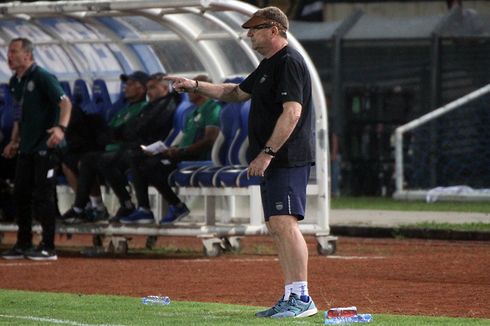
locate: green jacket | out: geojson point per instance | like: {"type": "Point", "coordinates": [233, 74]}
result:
{"type": "Point", "coordinates": [122, 117]}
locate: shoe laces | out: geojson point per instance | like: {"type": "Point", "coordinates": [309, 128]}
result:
{"type": "Point", "coordinates": [280, 303]}
{"type": "Point", "coordinates": [294, 303]}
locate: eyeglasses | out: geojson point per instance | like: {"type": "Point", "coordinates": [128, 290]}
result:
{"type": "Point", "coordinates": [261, 26]}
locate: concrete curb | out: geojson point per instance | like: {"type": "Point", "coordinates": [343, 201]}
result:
{"type": "Point", "coordinates": [396, 232]}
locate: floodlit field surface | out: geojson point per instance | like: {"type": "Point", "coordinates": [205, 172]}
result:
{"type": "Point", "coordinates": [40, 308]}
{"type": "Point", "coordinates": [389, 278]}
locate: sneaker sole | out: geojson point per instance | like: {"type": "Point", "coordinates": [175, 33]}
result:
{"type": "Point", "coordinates": [307, 313]}
{"type": "Point", "coordinates": [73, 221]}
{"type": "Point", "coordinates": [181, 216]}
{"type": "Point", "coordinates": [13, 257]}
{"type": "Point", "coordinates": [137, 222]}
{"type": "Point", "coordinates": [43, 258]}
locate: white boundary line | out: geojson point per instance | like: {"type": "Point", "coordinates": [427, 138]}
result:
{"type": "Point", "coordinates": [54, 321]}
{"type": "Point", "coordinates": [243, 260]}
{"type": "Point", "coordinates": [24, 264]}
{"type": "Point", "coordinates": [355, 257]}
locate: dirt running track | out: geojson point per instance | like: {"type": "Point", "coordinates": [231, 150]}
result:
{"type": "Point", "coordinates": [411, 277]}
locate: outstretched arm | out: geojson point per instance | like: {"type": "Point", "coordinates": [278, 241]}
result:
{"type": "Point", "coordinates": [224, 92]}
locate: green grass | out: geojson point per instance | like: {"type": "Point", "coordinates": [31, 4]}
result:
{"type": "Point", "coordinates": [450, 226]}
{"type": "Point", "coordinates": [38, 308]}
{"type": "Point", "coordinates": [384, 203]}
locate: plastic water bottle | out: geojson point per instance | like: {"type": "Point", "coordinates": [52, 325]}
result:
{"type": "Point", "coordinates": [155, 300]}
{"type": "Point", "coordinates": [360, 318]}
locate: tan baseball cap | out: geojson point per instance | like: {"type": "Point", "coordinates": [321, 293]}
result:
{"type": "Point", "coordinates": [265, 15]}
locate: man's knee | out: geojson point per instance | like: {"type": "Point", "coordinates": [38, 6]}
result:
{"type": "Point", "coordinates": [280, 225]}
{"type": "Point", "coordinates": [88, 160]}
{"type": "Point", "coordinates": [21, 198]}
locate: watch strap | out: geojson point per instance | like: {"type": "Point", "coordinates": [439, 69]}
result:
{"type": "Point", "coordinates": [268, 150]}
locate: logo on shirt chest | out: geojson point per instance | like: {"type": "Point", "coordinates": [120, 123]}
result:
{"type": "Point", "coordinates": [263, 79]}
{"type": "Point", "coordinates": [30, 85]}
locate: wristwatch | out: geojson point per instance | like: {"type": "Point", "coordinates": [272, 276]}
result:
{"type": "Point", "coordinates": [63, 128]}
{"type": "Point", "coordinates": [268, 150]}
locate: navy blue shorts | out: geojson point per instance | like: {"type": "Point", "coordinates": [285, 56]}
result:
{"type": "Point", "coordinates": [283, 191]}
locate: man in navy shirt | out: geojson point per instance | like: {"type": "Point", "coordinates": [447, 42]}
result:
{"type": "Point", "coordinates": [282, 142]}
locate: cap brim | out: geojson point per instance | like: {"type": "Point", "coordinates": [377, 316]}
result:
{"type": "Point", "coordinates": [124, 78]}
{"type": "Point", "coordinates": [254, 21]}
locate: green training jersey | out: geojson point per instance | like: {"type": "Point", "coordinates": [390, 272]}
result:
{"type": "Point", "coordinates": [38, 94]}
{"type": "Point", "coordinates": [206, 115]}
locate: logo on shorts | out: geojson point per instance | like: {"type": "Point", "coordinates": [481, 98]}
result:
{"type": "Point", "coordinates": [279, 205]}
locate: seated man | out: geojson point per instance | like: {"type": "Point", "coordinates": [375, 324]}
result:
{"type": "Point", "coordinates": [79, 141]}
{"type": "Point", "coordinates": [94, 163]}
{"type": "Point", "coordinates": [200, 131]}
{"type": "Point", "coordinates": [153, 123]}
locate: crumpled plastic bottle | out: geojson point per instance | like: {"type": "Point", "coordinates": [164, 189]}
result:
{"type": "Point", "coordinates": [359, 318]}
{"type": "Point", "coordinates": [155, 300]}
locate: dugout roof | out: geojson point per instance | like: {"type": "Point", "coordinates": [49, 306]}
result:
{"type": "Point", "coordinates": [92, 39]}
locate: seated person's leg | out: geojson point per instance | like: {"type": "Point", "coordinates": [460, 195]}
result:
{"type": "Point", "coordinates": [139, 163]}
{"type": "Point", "coordinates": [86, 178]}
{"type": "Point", "coordinates": [69, 166]}
{"type": "Point", "coordinates": [95, 208]}
{"type": "Point", "coordinates": [113, 166]}
{"type": "Point", "coordinates": [159, 179]}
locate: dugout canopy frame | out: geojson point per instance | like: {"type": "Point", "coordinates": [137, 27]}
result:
{"type": "Point", "coordinates": [102, 39]}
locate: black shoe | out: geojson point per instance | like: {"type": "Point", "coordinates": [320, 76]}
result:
{"type": "Point", "coordinates": [41, 253]}
{"type": "Point", "coordinates": [122, 212]}
{"type": "Point", "coordinates": [96, 214]}
{"type": "Point", "coordinates": [16, 252]}
{"type": "Point", "coordinates": [72, 217]}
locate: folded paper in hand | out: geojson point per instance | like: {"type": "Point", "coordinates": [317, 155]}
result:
{"type": "Point", "coordinates": [155, 148]}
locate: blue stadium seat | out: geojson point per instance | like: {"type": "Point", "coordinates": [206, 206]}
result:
{"type": "Point", "coordinates": [117, 105]}
{"type": "Point", "coordinates": [236, 175]}
{"type": "Point", "coordinates": [226, 149]}
{"type": "Point", "coordinates": [226, 177]}
{"type": "Point", "coordinates": [81, 96]}
{"type": "Point", "coordinates": [7, 112]}
{"type": "Point", "coordinates": [242, 179]}
{"type": "Point", "coordinates": [183, 109]}
{"type": "Point", "coordinates": [187, 170]}
{"type": "Point", "coordinates": [66, 88]}
{"type": "Point", "coordinates": [101, 99]}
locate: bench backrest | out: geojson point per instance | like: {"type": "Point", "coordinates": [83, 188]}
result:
{"type": "Point", "coordinates": [67, 89]}
{"type": "Point", "coordinates": [7, 112]}
{"type": "Point", "coordinates": [101, 99]}
{"type": "Point", "coordinates": [81, 96]}
{"type": "Point", "coordinates": [183, 109]}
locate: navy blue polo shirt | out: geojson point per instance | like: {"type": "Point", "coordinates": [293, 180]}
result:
{"type": "Point", "coordinates": [282, 78]}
